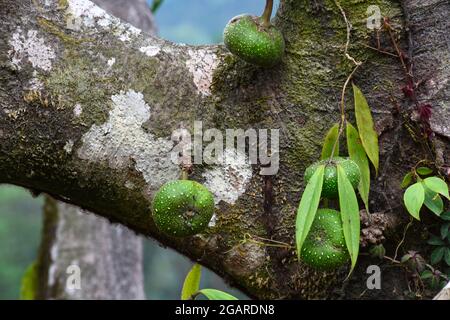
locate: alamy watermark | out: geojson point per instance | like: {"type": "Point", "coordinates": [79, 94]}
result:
{"type": "Point", "coordinates": [73, 281]}
{"type": "Point", "coordinates": [208, 146]}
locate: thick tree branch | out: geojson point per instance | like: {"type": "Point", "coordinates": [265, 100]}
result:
{"type": "Point", "coordinates": [88, 106]}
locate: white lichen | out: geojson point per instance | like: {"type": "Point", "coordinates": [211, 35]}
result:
{"type": "Point", "coordinates": [84, 13]}
{"type": "Point", "coordinates": [68, 146]}
{"type": "Point", "coordinates": [77, 110]}
{"type": "Point", "coordinates": [229, 180]}
{"type": "Point", "coordinates": [150, 51]}
{"type": "Point", "coordinates": [111, 62]}
{"type": "Point", "coordinates": [29, 45]}
{"type": "Point", "coordinates": [122, 142]}
{"type": "Point", "coordinates": [201, 64]}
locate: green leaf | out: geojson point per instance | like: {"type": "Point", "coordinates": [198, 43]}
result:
{"type": "Point", "coordinates": [445, 216]}
{"type": "Point", "coordinates": [413, 198]}
{"type": "Point", "coordinates": [155, 5]}
{"type": "Point", "coordinates": [433, 201]}
{"type": "Point", "coordinates": [308, 207]}
{"type": "Point", "coordinates": [349, 214]}
{"type": "Point", "coordinates": [435, 241]}
{"type": "Point", "coordinates": [405, 258]}
{"type": "Point", "coordinates": [213, 294]}
{"type": "Point", "coordinates": [357, 154]}
{"type": "Point", "coordinates": [29, 285]}
{"type": "Point", "coordinates": [328, 143]}
{"type": "Point", "coordinates": [437, 185]}
{"type": "Point", "coordinates": [437, 255]}
{"type": "Point", "coordinates": [426, 274]}
{"type": "Point", "coordinates": [445, 228]}
{"type": "Point", "coordinates": [447, 256]}
{"type": "Point", "coordinates": [407, 179]}
{"type": "Point", "coordinates": [192, 282]}
{"type": "Point", "coordinates": [364, 121]}
{"type": "Point", "coordinates": [424, 171]}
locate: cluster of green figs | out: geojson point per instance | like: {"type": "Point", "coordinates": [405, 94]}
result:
{"type": "Point", "coordinates": [325, 247]}
{"type": "Point", "coordinates": [184, 208]}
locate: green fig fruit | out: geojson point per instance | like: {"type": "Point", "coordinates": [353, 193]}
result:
{"type": "Point", "coordinates": [324, 247]}
{"type": "Point", "coordinates": [330, 185]}
{"type": "Point", "coordinates": [254, 41]}
{"type": "Point", "coordinates": [182, 208]}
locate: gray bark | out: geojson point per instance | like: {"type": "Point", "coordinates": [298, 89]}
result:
{"type": "Point", "coordinates": [88, 106]}
{"type": "Point", "coordinates": [85, 257]}
{"type": "Point", "coordinates": [109, 257]}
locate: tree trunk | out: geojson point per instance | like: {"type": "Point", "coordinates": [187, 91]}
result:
{"type": "Point", "coordinates": [89, 104]}
{"type": "Point", "coordinates": [109, 257]}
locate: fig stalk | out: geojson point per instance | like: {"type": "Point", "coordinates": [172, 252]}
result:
{"type": "Point", "coordinates": [267, 13]}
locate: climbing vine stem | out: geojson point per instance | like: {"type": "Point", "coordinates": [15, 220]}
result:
{"type": "Point", "coordinates": [342, 120]}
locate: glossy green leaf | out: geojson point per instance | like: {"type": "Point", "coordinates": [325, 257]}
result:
{"type": "Point", "coordinates": [445, 230]}
{"type": "Point", "coordinates": [364, 121]}
{"type": "Point", "coordinates": [350, 214]}
{"type": "Point", "coordinates": [407, 179]}
{"type": "Point", "coordinates": [435, 241]}
{"type": "Point", "coordinates": [424, 171]}
{"type": "Point", "coordinates": [213, 294]}
{"type": "Point", "coordinates": [445, 216]}
{"type": "Point", "coordinates": [328, 143]}
{"type": "Point", "coordinates": [437, 185]}
{"type": "Point", "coordinates": [308, 207]}
{"type": "Point", "coordinates": [413, 198]}
{"type": "Point", "coordinates": [447, 256]}
{"type": "Point", "coordinates": [357, 154]}
{"type": "Point", "coordinates": [437, 255]}
{"type": "Point", "coordinates": [433, 201]}
{"type": "Point", "coordinates": [426, 274]}
{"type": "Point", "coordinates": [192, 282]}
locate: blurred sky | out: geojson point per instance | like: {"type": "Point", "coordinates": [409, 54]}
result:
{"type": "Point", "coordinates": [201, 21]}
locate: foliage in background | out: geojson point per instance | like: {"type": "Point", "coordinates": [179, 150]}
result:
{"type": "Point", "coordinates": [29, 283]}
{"type": "Point", "coordinates": [20, 227]}
{"type": "Point", "coordinates": [426, 191]}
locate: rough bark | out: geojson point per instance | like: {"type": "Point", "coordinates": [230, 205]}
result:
{"type": "Point", "coordinates": [89, 105]}
{"type": "Point", "coordinates": [85, 257]}
{"type": "Point", "coordinates": [109, 256]}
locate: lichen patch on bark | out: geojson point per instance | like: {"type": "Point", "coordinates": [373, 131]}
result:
{"type": "Point", "coordinates": [84, 13]}
{"type": "Point", "coordinates": [201, 64]}
{"type": "Point", "coordinates": [229, 181]}
{"type": "Point", "coordinates": [150, 51]}
{"type": "Point", "coordinates": [123, 142]}
{"type": "Point", "coordinates": [31, 46]}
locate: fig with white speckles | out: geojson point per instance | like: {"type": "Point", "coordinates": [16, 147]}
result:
{"type": "Point", "coordinates": [182, 208]}
{"type": "Point", "coordinates": [254, 40]}
{"type": "Point", "coordinates": [330, 185]}
{"type": "Point", "coordinates": [324, 247]}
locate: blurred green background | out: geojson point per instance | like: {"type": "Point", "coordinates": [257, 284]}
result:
{"type": "Point", "coordinates": [192, 22]}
